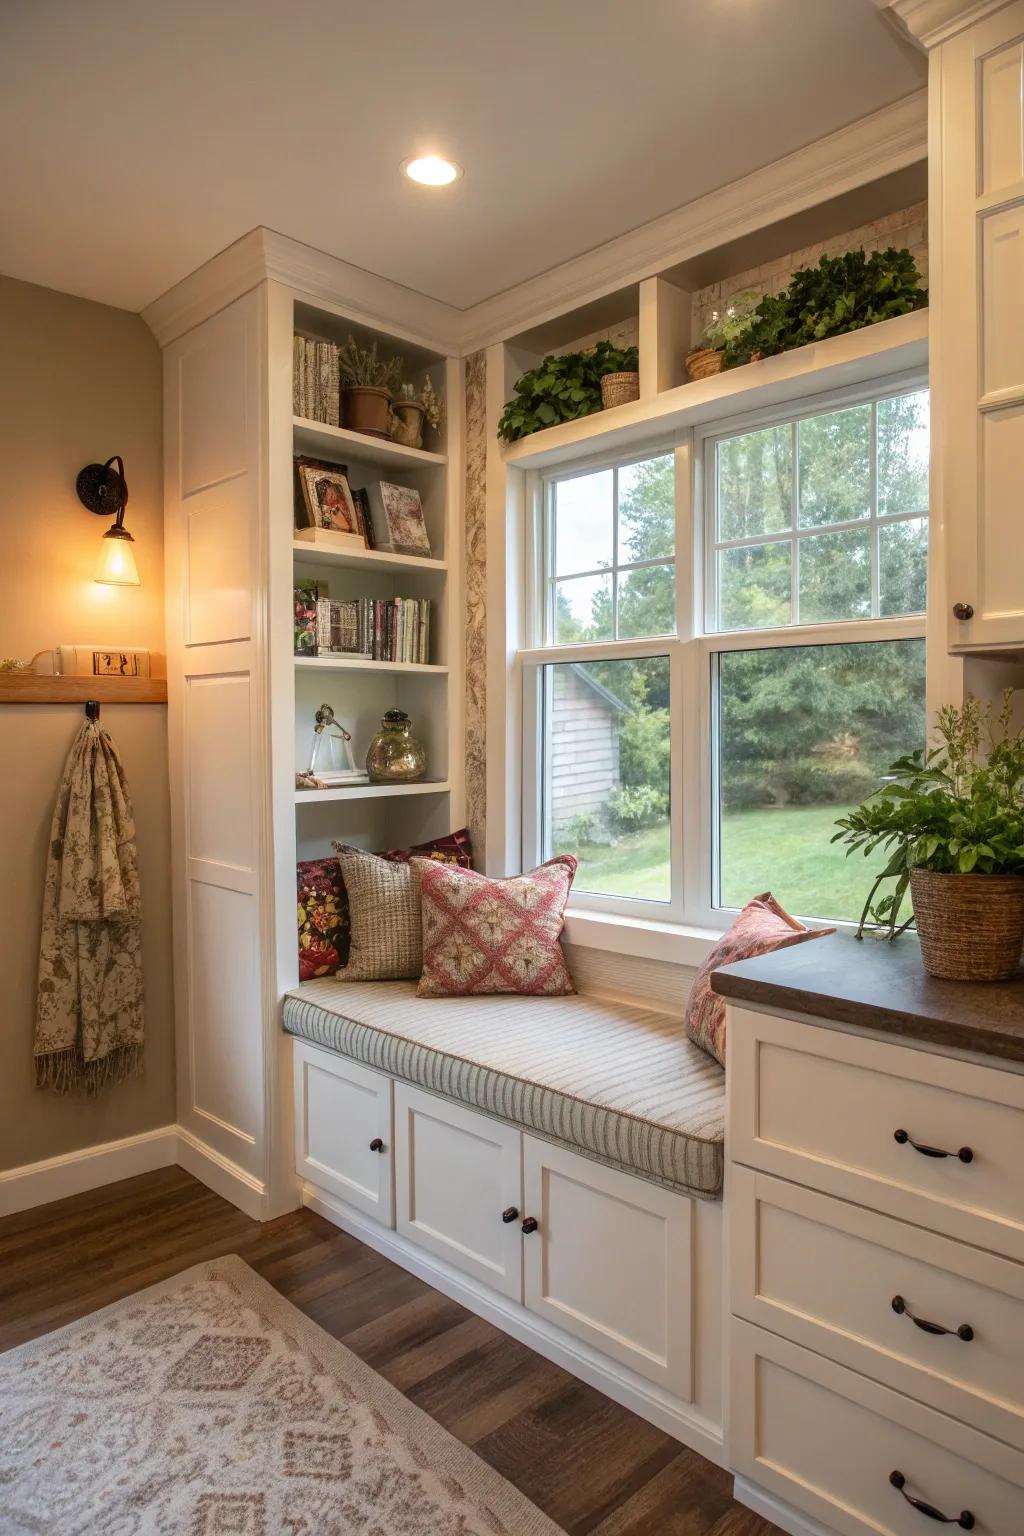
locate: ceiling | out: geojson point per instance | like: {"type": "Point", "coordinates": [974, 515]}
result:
{"type": "Point", "coordinates": [139, 137]}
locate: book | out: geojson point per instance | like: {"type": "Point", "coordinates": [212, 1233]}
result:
{"type": "Point", "coordinates": [396, 519]}
{"type": "Point", "coordinates": [316, 380]}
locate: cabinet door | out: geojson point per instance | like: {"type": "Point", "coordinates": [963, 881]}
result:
{"type": "Point", "coordinates": [610, 1262]}
{"type": "Point", "coordinates": [978, 330]}
{"type": "Point", "coordinates": [457, 1174]}
{"type": "Point", "coordinates": [343, 1130]}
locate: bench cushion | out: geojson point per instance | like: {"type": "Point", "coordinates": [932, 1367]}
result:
{"type": "Point", "coordinates": [620, 1084]}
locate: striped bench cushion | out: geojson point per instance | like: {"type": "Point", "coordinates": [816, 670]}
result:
{"type": "Point", "coordinates": [622, 1085]}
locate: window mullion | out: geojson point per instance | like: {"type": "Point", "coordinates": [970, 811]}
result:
{"type": "Point", "coordinates": [875, 548]}
{"type": "Point", "coordinates": [794, 514]}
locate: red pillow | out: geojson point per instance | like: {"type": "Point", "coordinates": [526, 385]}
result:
{"type": "Point", "coordinates": [324, 928]}
{"type": "Point", "coordinates": [483, 936]}
{"type": "Point", "coordinates": [761, 927]}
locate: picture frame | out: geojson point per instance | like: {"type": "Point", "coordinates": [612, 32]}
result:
{"type": "Point", "coordinates": [327, 503]}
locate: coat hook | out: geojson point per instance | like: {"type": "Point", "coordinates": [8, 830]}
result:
{"type": "Point", "coordinates": [92, 709]}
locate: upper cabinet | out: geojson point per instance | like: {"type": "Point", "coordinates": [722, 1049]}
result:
{"type": "Point", "coordinates": [977, 167]}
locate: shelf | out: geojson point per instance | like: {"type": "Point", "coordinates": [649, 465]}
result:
{"type": "Point", "coordinates": [890, 347]}
{"type": "Point", "coordinates": [372, 791]}
{"type": "Point", "coordinates": [32, 688]}
{"type": "Point", "coordinates": [366, 559]}
{"type": "Point", "coordinates": [361, 664]}
{"type": "Point", "coordinates": [317, 438]}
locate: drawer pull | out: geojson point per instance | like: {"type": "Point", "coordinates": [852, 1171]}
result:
{"type": "Point", "coordinates": [376, 1145]}
{"type": "Point", "coordinates": [964, 1154]}
{"type": "Point", "coordinates": [965, 1331]}
{"type": "Point", "coordinates": [509, 1214]}
{"type": "Point", "coordinates": [530, 1225]}
{"type": "Point", "coordinates": [965, 1520]}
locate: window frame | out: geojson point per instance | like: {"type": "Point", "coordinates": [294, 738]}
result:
{"type": "Point", "coordinates": [692, 652]}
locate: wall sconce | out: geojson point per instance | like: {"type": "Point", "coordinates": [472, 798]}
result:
{"type": "Point", "coordinates": [104, 491]}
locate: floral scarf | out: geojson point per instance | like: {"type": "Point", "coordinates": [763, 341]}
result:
{"type": "Point", "coordinates": [89, 1017]}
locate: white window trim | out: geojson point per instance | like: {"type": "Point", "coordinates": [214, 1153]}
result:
{"type": "Point", "coordinates": [685, 928]}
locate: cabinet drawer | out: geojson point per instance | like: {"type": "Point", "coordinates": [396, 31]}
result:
{"type": "Point", "coordinates": [457, 1173]}
{"type": "Point", "coordinates": [343, 1129]}
{"type": "Point", "coordinates": [826, 1273]}
{"type": "Point", "coordinates": [828, 1441]}
{"type": "Point", "coordinates": [823, 1107]}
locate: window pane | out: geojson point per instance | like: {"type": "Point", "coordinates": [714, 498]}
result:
{"type": "Point", "coordinates": [583, 609]}
{"type": "Point", "coordinates": [835, 577]}
{"type": "Point", "coordinates": [902, 567]}
{"type": "Point", "coordinates": [647, 510]}
{"type": "Point", "coordinates": [647, 602]}
{"type": "Point", "coordinates": [835, 467]}
{"type": "Point", "coordinates": [755, 483]}
{"type": "Point", "coordinates": [805, 732]}
{"type": "Point", "coordinates": [583, 523]}
{"type": "Point", "coordinates": [607, 774]}
{"type": "Point", "coordinates": [754, 586]}
{"type": "Point", "coordinates": [903, 454]}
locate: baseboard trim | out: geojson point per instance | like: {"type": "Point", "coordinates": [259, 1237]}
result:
{"type": "Point", "coordinates": [89, 1168]}
{"type": "Point", "coordinates": [776, 1510]}
{"type": "Point", "coordinates": [623, 1386]}
{"type": "Point", "coordinates": [221, 1175]}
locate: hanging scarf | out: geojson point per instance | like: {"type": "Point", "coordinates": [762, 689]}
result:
{"type": "Point", "coordinates": [89, 1017]}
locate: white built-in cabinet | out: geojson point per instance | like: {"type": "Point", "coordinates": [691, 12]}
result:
{"type": "Point", "coordinates": [977, 360]}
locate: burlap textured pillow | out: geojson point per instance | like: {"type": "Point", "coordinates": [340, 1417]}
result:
{"type": "Point", "coordinates": [384, 909]}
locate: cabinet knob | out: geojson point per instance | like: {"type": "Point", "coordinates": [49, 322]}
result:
{"type": "Point", "coordinates": [376, 1145]}
{"type": "Point", "coordinates": [530, 1225]}
{"type": "Point", "coordinates": [509, 1214]}
{"type": "Point", "coordinates": [963, 612]}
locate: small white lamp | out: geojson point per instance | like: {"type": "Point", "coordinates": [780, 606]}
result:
{"type": "Point", "coordinates": [104, 491]}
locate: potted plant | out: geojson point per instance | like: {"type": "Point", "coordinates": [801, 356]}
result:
{"type": "Point", "coordinates": [951, 820]}
{"type": "Point", "coordinates": [722, 330]}
{"type": "Point", "coordinates": [564, 387]}
{"type": "Point", "coordinates": [368, 382]}
{"type": "Point", "coordinates": [412, 412]}
{"type": "Point", "coordinates": [618, 368]}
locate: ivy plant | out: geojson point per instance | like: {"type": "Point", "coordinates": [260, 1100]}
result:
{"type": "Point", "coordinates": [563, 388]}
{"type": "Point", "coordinates": [841, 293]}
{"type": "Point", "coordinates": [956, 808]}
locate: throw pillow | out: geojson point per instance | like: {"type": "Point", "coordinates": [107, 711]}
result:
{"type": "Point", "coordinates": [761, 927]}
{"type": "Point", "coordinates": [483, 935]}
{"type": "Point", "coordinates": [386, 940]}
{"type": "Point", "coordinates": [323, 901]}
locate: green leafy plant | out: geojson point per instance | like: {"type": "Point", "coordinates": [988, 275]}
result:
{"type": "Point", "coordinates": [563, 388]}
{"type": "Point", "coordinates": [840, 294]}
{"type": "Point", "coordinates": [727, 326]}
{"type": "Point", "coordinates": [956, 808]}
{"type": "Point", "coordinates": [364, 368]}
{"type": "Point", "coordinates": [632, 807]}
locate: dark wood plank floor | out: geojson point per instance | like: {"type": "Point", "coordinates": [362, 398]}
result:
{"type": "Point", "coordinates": [592, 1466]}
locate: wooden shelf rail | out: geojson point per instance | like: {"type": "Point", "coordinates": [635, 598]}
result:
{"type": "Point", "coordinates": [30, 688]}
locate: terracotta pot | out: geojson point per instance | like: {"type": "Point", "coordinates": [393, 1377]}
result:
{"type": "Point", "coordinates": [367, 409]}
{"type": "Point", "coordinates": [971, 927]}
{"type": "Point", "coordinates": [407, 423]}
{"type": "Point", "coordinates": [619, 389]}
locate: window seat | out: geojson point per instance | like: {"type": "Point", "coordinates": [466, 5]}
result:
{"type": "Point", "coordinates": [619, 1084]}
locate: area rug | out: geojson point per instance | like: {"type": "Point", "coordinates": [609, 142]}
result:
{"type": "Point", "coordinates": [209, 1406]}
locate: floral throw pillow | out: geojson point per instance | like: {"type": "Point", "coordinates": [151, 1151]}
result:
{"type": "Point", "coordinates": [483, 936]}
{"type": "Point", "coordinates": [761, 927]}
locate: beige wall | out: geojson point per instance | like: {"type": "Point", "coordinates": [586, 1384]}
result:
{"type": "Point", "coordinates": [78, 382]}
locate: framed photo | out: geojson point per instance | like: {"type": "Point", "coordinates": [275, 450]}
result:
{"type": "Point", "coordinates": [328, 499]}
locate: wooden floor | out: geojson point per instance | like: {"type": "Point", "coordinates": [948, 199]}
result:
{"type": "Point", "coordinates": [592, 1466]}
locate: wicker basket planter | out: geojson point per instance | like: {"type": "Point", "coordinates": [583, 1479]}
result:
{"type": "Point", "coordinates": [971, 927]}
{"type": "Point", "coordinates": [703, 363]}
{"type": "Point", "coordinates": [619, 389]}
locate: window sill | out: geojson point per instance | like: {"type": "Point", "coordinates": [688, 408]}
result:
{"type": "Point", "coordinates": [677, 943]}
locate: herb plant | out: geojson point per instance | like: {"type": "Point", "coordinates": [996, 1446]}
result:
{"type": "Point", "coordinates": [842, 293]}
{"type": "Point", "coordinates": [364, 368]}
{"type": "Point", "coordinates": [563, 388]}
{"type": "Point", "coordinates": [957, 808]}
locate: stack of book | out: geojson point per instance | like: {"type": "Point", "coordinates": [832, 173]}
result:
{"type": "Point", "coordinates": [376, 629]}
{"type": "Point", "coordinates": [316, 382]}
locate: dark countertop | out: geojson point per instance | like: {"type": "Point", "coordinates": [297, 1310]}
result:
{"type": "Point", "coordinates": [882, 986]}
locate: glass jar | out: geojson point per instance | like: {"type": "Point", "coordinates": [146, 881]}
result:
{"type": "Point", "coordinates": [395, 755]}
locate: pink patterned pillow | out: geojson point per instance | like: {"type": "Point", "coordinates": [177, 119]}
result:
{"type": "Point", "coordinates": [483, 935]}
{"type": "Point", "coordinates": [761, 927]}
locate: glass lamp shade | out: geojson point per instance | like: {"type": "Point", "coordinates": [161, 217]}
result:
{"type": "Point", "coordinates": [116, 565]}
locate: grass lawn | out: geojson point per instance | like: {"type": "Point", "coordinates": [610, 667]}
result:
{"type": "Point", "coordinates": [786, 851]}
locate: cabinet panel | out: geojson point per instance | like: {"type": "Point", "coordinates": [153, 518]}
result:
{"type": "Point", "coordinates": [456, 1172]}
{"type": "Point", "coordinates": [219, 780]}
{"type": "Point", "coordinates": [828, 1441]}
{"type": "Point", "coordinates": [610, 1262]}
{"type": "Point", "coordinates": [1003, 300]}
{"type": "Point", "coordinates": [218, 531]}
{"type": "Point", "coordinates": [1001, 592]}
{"type": "Point", "coordinates": [342, 1110]}
{"type": "Point", "coordinates": [224, 1021]}
{"type": "Point", "coordinates": [1002, 125]}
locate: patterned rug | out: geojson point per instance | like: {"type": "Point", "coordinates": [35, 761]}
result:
{"type": "Point", "coordinates": [209, 1406]}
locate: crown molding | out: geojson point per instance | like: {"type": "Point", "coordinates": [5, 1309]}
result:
{"type": "Point", "coordinates": [930, 22]}
{"type": "Point", "coordinates": [887, 141]}
{"type": "Point", "coordinates": [264, 254]}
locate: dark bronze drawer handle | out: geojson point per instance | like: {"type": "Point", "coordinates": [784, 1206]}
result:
{"type": "Point", "coordinates": [964, 1154]}
{"type": "Point", "coordinates": [509, 1214]}
{"type": "Point", "coordinates": [530, 1225]}
{"type": "Point", "coordinates": [965, 1331]}
{"type": "Point", "coordinates": [965, 1520]}
{"type": "Point", "coordinates": [376, 1145]}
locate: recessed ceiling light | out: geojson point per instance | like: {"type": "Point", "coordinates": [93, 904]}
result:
{"type": "Point", "coordinates": [432, 170]}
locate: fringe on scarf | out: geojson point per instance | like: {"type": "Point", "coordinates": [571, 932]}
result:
{"type": "Point", "coordinates": [66, 1072]}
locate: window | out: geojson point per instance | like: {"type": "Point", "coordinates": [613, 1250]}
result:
{"type": "Point", "coordinates": [693, 751]}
